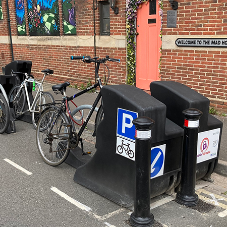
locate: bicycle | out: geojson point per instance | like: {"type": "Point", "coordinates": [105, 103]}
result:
{"type": "Point", "coordinates": [4, 111]}
{"type": "Point", "coordinates": [19, 94]}
{"type": "Point", "coordinates": [126, 149]}
{"type": "Point", "coordinates": [56, 132]}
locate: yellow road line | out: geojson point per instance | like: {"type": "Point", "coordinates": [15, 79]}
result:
{"type": "Point", "coordinates": [214, 201]}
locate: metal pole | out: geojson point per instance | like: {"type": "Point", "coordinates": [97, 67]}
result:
{"type": "Point", "coordinates": [141, 215]}
{"type": "Point", "coordinates": [94, 8]}
{"type": "Point", "coordinates": [187, 196]}
{"type": "Point", "coordinates": [10, 35]}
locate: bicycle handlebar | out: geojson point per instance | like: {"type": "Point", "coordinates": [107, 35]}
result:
{"type": "Point", "coordinates": [88, 59]}
{"type": "Point", "coordinates": [114, 59]}
{"type": "Point", "coordinates": [26, 74]}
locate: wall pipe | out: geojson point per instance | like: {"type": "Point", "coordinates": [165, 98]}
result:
{"type": "Point", "coordinates": [10, 34]}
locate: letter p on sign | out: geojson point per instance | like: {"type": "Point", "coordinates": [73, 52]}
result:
{"type": "Point", "coordinates": [125, 127]}
{"type": "Point", "coordinates": [126, 124]}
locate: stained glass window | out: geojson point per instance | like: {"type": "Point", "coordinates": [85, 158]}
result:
{"type": "Point", "coordinates": [69, 23]}
{"type": "Point", "coordinates": [20, 15]}
{"type": "Point", "coordinates": [43, 17]}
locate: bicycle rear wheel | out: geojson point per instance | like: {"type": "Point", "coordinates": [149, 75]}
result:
{"type": "Point", "coordinates": [4, 114]}
{"type": "Point", "coordinates": [52, 136]}
{"type": "Point", "coordinates": [39, 106]}
{"type": "Point", "coordinates": [18, 102]}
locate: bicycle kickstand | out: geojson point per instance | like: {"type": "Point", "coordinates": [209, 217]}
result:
{"type": "Point", "coordinates": [82, 147]}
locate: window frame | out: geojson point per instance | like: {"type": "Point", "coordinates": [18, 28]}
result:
{"type": "Point", "coordinates": [101, 14]}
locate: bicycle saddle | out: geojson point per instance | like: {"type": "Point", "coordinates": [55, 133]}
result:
{"type": "Point", "coordinates": [48, 71]}
{"type": "Point", "coordinates": [59, 87]}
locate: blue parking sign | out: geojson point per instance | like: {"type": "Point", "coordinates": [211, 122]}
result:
{"type": "Point", "coordinates": [125, 127]}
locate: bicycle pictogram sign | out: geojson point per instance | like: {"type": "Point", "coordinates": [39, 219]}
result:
{"type": "Point", "coordinates": [126, 149]}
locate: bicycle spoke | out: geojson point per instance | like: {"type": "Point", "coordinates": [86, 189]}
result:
{"type": "Point", "coordinates": [4, 114]}
{"type": "Point", "coordinates": [53, 137]}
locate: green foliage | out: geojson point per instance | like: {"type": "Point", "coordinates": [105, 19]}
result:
{"type": "Point", "coordinates": [213, 111]}
{"type": "Point", "coordinates": [82, 87]}
{"type": "Point", "coordinates": [1, 14]}
{"type": "Point", "coordinates": [89, 84]}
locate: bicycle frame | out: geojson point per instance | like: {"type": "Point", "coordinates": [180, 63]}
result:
{"type": "Point", "coordinates": [39, 92]}
{"type": "Point", "coordinates": [93, 106]}
{"type": "Point", "coordinates": [98, 84]}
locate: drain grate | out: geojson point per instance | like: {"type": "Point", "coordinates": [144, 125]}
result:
{"type": "Point", "coordinates": [203, 207]}
{"type": "Point", "coordinates": [155, 224]}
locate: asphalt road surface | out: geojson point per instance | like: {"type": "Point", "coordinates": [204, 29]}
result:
{"type": "Point", "coordinates": [35, 194]}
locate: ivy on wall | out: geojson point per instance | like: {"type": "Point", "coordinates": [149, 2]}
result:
{"type": "Point", "coordinates": [131, 14]}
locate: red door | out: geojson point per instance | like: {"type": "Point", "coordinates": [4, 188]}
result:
{"type": "Point", "coordinates": [148, 44]}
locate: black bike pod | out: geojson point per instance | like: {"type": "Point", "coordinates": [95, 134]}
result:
{"type": "Point", "coordinates": [111, 172]}
{"type": "Point", "coordinates": [178, 97]}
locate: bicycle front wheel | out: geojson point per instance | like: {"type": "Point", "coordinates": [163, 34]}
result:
{"type": "Point", "coordinates": [39, 106]}
{"type": "Point", "coordinates": [17, 99]}
{"type": "Point", "coordinates": [52, 136]}
{"type": "Point", "coordinates": [99, 118]}
{"type": "Point", "coordinates": [4, 114]}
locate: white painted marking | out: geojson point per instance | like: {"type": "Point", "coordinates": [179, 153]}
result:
{"type": "Point", "coordinates": [154, 162]}
{"type": "Point", "coordinates": [108, 224]}
{"type": "Point", "coordinates": [71, 200]}
{"type": "Point", "coordinates": [124, 124]}
{"type": "Point", "coordinates": [101, 218]}
{"type": "Point", "coordinates": [17, 166]}
{"type": "Point", "coordinates": [215, 200]}
{"type": "Point", "coordinates": [222, 214]}
{"type": "Point", "coordinates": [159, 203]}
{"type": "Point", "coordinates": [212, 201]}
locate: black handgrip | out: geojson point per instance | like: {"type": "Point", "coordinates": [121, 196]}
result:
{"type": "Point", "coordinates": [114, 59]}
{"type": "Point", "coordinates": [17, 72]}
{"type": "Point", "coordinates": [77, 57]}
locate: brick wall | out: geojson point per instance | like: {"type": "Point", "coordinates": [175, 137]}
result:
{"type": "Point", "coordinates": [54, 52]}
{"type": "Point", "coordinates": [203, 69]}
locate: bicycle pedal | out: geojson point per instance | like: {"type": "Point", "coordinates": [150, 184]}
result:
{"type": "Point", "coordinates": [66, 125]}
{"type": "Point", "coordinates": [85, 153]}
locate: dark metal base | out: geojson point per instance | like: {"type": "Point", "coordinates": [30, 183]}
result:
{"type": "Point", "coordinates": [26, 117]}
{"type": "Point", "coordinates": [187, 200]}
{"type": "Point", "coordinates": [141, 222]}
{"type": "Point", "coordinates": [76, 159]}
{"type": "Point", "coordinates": [11, 128]}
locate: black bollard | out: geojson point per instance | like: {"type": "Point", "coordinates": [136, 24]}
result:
{"type": "Point", "coordinates": [186, 195]}
{"type": "Point", "coordinates": [141, 215]}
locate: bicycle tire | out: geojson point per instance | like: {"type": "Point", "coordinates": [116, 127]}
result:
{"type": "Point", "coordinates": [119, 147]}
{"type": "Point", "coordinates": [130, 153]}
{"type": "Point", "coordinates": [19, 103]}
{"type": "Point", "coordinates": [53, 143]}
{"type": "Point", "coordinates": [39, 105]}
{"type": "Point", "coordinates": [99, 118]}
{"type": "Point", "coordinates": [4, 114]}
